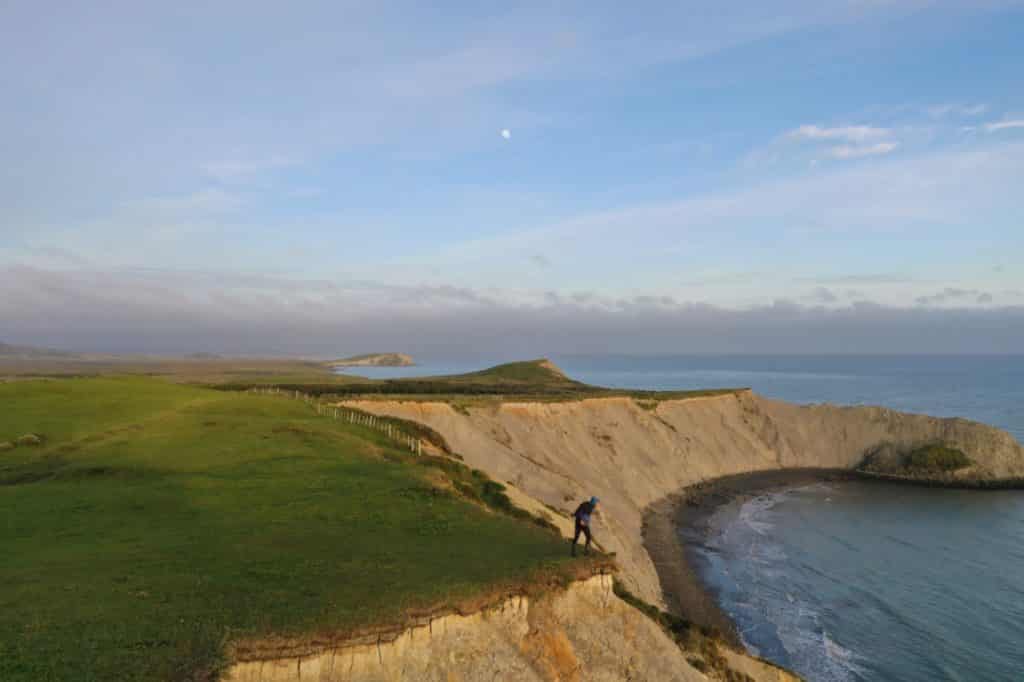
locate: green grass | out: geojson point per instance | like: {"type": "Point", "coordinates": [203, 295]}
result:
{"type": "Point", "coordinates": [533, 372]}
{"type": "Point", "coordinates": [254, 371]}
{"type": "Point", "coordinates": [159, 522]}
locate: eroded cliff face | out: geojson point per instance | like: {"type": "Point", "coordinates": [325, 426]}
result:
{"type": "Point", "coordinates": [581, 633]}
{"type": "Point", "coordinates": [632, 457]}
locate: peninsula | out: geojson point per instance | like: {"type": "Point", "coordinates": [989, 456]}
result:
{"type": "Point", "coordinates": [374, 360]}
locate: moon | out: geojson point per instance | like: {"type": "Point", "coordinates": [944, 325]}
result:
{"type": "Point", "coordinates": [506, 133]}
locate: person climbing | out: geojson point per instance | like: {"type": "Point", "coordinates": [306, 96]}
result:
{"type": "Point", "coordinates": [582, 516]}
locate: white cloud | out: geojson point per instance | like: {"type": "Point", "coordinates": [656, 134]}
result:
{"type": "Point", "coordinates": [943, 110]}
{"type": "Point", "coordinates": [822, 295]}
{"type": "Point", "coordinates": [957, 295]}
{"type": "Point", "coordinates": [854, 152]}
{"type": "Point", "coordinates": [858, 140]}
{"type": "Point", "coordinates": [1004, 125]}
{"type": "Point", "coordinates": [859, 133]}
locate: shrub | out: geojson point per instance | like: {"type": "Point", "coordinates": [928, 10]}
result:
{"type": "Point", "coordinates": [475, 485]}
{"type": "Point", "coordinates": [936, 458]}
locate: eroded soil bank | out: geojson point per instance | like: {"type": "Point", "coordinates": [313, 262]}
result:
{"type": "Point", "coordinates": [584, 632]}
{"type": "Point", "coordinates": [580, 633]}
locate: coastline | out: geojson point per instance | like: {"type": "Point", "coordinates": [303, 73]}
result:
{"type": "Point", "coordinates": [676, 528]}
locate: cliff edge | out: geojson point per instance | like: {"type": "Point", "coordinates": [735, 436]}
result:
{"type": "Point", "coordinates": [633, 454]}
{"type": "Point", "coordinates": [584, 632]}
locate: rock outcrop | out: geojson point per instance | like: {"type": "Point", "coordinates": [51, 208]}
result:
{"type": "Point", "coordinates": [632, 455]}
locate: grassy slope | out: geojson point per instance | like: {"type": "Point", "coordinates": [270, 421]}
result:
{"type": "Point", "coordinates": [531, 372]}
{"type": "Point", "coordinates": [160, 521]}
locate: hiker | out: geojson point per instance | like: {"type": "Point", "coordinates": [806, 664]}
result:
{"type": "Point", "coordinates": [582, 516]}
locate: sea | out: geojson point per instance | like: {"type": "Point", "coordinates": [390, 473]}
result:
{"type": "Point", "coordinates": [858, 581]}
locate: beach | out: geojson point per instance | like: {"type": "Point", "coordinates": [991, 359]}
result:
{"type": "Point", "coordinates": [675, 530]}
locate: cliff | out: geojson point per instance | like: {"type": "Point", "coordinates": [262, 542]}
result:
{"type": "Point", "coordinates": [584, 632]}
{"type": "Point", "coordinates": [633, 455]}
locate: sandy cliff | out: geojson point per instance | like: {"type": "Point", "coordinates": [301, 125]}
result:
{"type": "Point", "coordinates": [632, 457]}
{"type": "Point", "coordinates": [582, 633]}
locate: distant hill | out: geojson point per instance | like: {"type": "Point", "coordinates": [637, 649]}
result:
{"type": "Point", "coordinates": [374, 360]}
{"type": "Point", "coordinates": [536, 373]}
{"type": "Point", "coordinates": [9, 352]}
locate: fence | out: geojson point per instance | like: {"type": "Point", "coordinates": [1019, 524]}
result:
{"type": "Point", "coordinates": [385, 426]}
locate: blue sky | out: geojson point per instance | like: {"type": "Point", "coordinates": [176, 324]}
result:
{"type": "Point", "coordinates": [345, 160]}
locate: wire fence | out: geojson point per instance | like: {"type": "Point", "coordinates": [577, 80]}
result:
{"type": "Point", "coordinates": [350, 415]}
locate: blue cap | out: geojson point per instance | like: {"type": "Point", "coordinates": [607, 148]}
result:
{"type": "Point", "coordinates": [593, 500]}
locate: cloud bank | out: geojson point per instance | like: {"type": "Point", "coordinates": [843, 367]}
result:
{"type": "Point", "coordinates": [167, 312]}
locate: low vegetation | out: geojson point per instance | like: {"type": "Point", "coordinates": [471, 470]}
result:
{"type": "Point", "coordinates": [928, 460]}
{"type": "Point", "coordinates": [156, 523]}
{"type": "Point", "coordinates": [936, 458]}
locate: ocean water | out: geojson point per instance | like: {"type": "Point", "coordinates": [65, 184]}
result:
{"type": "Point", "coordinates": [857, 581]}
{"type": "Point", "coordinates": [860, 581]}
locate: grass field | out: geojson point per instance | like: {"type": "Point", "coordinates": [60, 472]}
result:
{"type": "Point", "coordinates": [158, 522]}
{"type": "Point", "coordinates": [531, 380]}
{"type": "Point", "coordinates": [185, 370]}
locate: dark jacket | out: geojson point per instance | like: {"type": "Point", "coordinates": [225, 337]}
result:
{"type": "Point", "coordinates": [583, 513]}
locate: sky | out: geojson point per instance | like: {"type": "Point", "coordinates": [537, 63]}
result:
{"type": "Point", "coordinates": [523, 179]}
